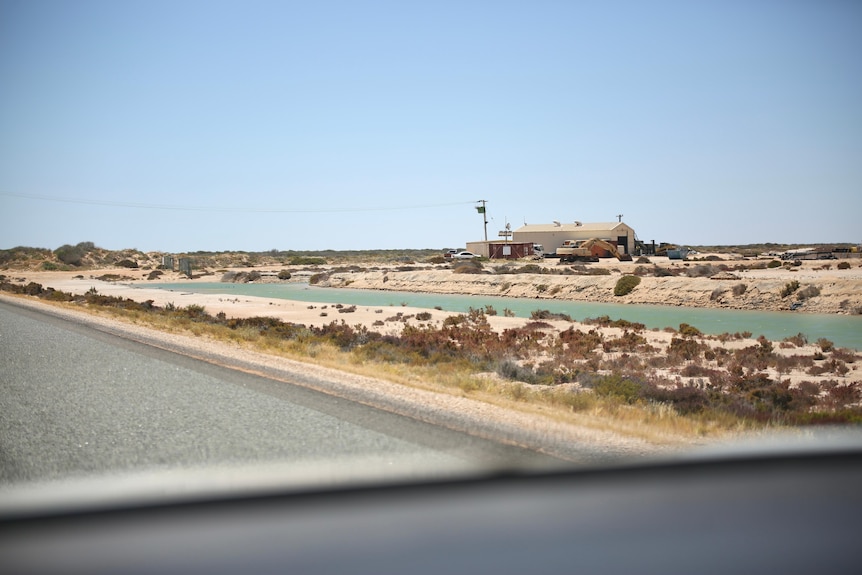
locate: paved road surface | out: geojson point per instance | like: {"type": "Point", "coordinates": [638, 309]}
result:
{"type": "Point", "coordinates": [75, 401]}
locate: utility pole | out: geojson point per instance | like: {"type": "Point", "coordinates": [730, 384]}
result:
{"type": "Point", "coordinates": [481, 210]}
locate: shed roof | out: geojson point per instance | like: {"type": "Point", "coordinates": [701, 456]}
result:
{"type": "Point", "coordinates": [566, 227]}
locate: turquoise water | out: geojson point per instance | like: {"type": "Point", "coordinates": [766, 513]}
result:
{"type": "Point", "coordinates": [843, 330]}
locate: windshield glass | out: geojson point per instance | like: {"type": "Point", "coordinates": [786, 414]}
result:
{"type": "Point", "coordinates": [278, 244]}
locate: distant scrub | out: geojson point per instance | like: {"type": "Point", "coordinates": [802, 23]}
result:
{"type": "Point", "coordinates": [71, 255]}
{"type": "Point", "coordinates": [306, 261]}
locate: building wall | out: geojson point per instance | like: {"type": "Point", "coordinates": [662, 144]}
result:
{"type": "Point", "coordinates": [551, 236]}
{"type": "Point", "coordinates": [501, 250]}
{"type": "Point", "coordinates": [480, 248]}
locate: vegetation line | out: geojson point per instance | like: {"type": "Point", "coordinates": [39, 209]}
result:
{"type": "Point", "coordinates": [698, 385]}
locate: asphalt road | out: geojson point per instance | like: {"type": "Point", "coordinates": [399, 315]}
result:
{"type": "Point", "coordinates": [75, 401]}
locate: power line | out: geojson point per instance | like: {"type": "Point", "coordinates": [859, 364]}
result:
{"type": "Point", "coordinates": [258, 210]}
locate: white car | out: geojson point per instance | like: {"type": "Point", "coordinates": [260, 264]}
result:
{"type": "Point", "coordinates": [465, 255]}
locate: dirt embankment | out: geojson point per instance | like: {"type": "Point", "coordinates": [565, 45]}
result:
{"type": "Point", "coordinates": [819, 290]}
{"type": "Point", "coordinates": [810, 286]}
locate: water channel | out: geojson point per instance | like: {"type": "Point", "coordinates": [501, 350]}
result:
{"type": "Point", "coordinates": [843, 330]}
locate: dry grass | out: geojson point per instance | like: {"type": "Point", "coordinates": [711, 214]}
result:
{"type": "Point", "coordinates": [654, 423]}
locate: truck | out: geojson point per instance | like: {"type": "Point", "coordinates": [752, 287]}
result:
{"type": "Point", "coordinates": [582, 251]}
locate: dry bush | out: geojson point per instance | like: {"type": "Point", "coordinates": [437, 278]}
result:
{"type": "Point", "coordinates": [789, 288]}
{"type": "Point", "coordinates": [807, 292]}
{"type": "Point", "coordinates": [798, 340]}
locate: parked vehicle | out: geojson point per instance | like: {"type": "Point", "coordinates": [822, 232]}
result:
{"type": "Point", "coordinates": [465, 255]}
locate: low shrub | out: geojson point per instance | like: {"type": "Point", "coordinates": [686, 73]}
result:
{"type": "Point", "coordinates": [306, 261]}
{"type": "Point", "coordinates": [739, 289]}
{"type": "Point", "coordinates": [626, 284]}
{"type": "Point", "coordinates": [807, 292]}
{"type": "Point", "coordinates": [615, 387]}
{"type": "Point", "coordinates": [701, 271]}
{"type": "Point", "coordinates": [686, 330]}
{"type": "Point", "coordinates": [798, 340]}
{"type": "Point", "coordinates": [843, 265]}
{"type": "Point", "coordinates": [71, 255]}
{"type": "Point", "coordinates": [284, 275]}
{"type": "Point", "coordinates": [789, 288]}
{"type": "Point", "coordinates": [825, 344]}
{"type": "Point", "coordinates": [545, 314]}
{"type": "Point", "coordinates": [468, 267]}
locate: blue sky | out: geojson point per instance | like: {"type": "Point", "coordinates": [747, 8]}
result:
{"type": "Point", "coordinates": [253, 125]}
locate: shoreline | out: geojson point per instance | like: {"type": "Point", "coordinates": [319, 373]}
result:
{"type": "Point", "coordinates": [822, 287]}
{"type": "Point", "coordinates": [839, 292]}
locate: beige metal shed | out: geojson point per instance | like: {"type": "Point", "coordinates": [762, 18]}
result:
{"type": "Point", "coordinates": [552, 236]}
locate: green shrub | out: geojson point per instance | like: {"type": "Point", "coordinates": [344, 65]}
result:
{"type": "Point", "coordinates": [71, 255]}
{"type": "Point", "coordinates": [284, 275]}
{"type": "Point", "coordinates": [626, 284]}
{"type": "Point", "coordinates": [689, 330]}
{"type": "Point", "coordinates": [774, 264]}
{"type": "Point", "coordinates": [306, 261]}
{"type": "Point", "coordinates": [617, 387]}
